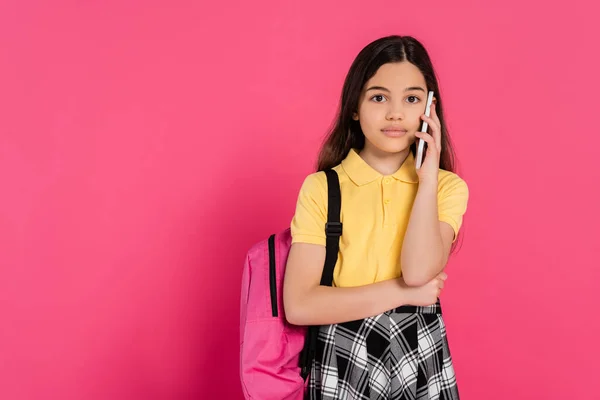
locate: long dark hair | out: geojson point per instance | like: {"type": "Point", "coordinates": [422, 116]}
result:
{"type": "Point", "coordinates": [346, 133]}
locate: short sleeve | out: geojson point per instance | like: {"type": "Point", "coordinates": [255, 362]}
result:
{"type": "Point", "coordinates": [308, 224]}
{"type": "Point", "coordinates": [453, 196]}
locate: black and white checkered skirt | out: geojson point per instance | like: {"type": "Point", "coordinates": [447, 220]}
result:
{"type": "Point", "coordinates": [400, 354]}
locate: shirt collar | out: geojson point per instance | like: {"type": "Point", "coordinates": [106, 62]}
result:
{"type": "Point", "coordinates": [362, 173]}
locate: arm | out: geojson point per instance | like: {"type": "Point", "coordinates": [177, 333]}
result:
{"type": "Point", "coordinates": [307, 303]}
{"type": "Point", "coordinates": [427, 241]}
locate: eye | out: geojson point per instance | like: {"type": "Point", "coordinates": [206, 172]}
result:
{"type": "Point", "coordinates": [378, 98]}
{"type": "Point", "coordinates": [413, 99]}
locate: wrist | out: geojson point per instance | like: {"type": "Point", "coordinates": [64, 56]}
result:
{"type": "Point", "coordinates": [403, 292]}
{"type": "Point", "coordinates": [427, 185]}
{"type": "Point", "coordinates": [428, 181]}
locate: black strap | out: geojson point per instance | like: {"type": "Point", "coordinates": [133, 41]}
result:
{"type": "Point", "coordinates": [333, 231]}
{"type": "Point", "coordinates": [333, 227]}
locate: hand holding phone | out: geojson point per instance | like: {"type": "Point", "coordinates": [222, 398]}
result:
{"type": "Point", "coordinates": [424, 126]}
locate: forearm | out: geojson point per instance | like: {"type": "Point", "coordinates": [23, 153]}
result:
{"type": "Point", "coordinates": [422, 249]}
{"type": "Point", "coordinates": [325, 305]}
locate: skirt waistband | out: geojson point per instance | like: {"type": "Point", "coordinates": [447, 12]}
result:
{"type": "Point", "coordinates": [408, 309]}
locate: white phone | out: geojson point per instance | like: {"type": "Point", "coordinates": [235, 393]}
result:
{"type": "Point", "coordinates": [421, 145]}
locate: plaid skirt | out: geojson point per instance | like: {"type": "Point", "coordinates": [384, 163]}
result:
{"type": "Point", "coordinates": [400, 354]}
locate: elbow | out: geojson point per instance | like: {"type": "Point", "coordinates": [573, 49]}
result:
{"type": "Point", "coordinates": [297, 306]}
{"type": "Point", "coordinates": [293, 312]}
{"type": "Point", "coordinates": [294, 315]}
{"type": "Point", "coordinates": [414, 279]}
{"type": "Point", "coordinates": [418, 270]}
{"type": "Point", "coordinates": [413, 275]}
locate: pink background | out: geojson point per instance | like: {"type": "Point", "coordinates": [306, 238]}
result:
{"type": "Point", "coordinates": [145, 146]}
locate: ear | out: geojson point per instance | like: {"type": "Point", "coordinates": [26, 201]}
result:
{"type": "Point", "coordinates": [355, 116]}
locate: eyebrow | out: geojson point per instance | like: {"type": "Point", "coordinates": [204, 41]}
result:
{"type": "Point", "coordinates": [408, 89]}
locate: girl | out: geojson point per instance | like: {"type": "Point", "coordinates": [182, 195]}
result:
{"type": "Point", "coordinates": [381, 333]}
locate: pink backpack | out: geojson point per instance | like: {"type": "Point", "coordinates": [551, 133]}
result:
{"type": "Point", "coordinates": [275, 356]}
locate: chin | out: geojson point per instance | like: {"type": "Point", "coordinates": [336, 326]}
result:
{"type": "Point", "coordinates": [394, 146]}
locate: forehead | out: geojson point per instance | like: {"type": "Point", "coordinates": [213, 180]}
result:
{"type": "Point", "coordinates": [397, 76]}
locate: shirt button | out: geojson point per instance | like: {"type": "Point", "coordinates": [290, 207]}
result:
{"type": "Point", "coordinates": [386, 180]}
{"type": "Point", "coordinates": [387, 201]}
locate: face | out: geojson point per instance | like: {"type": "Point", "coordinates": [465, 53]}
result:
{"type": "Point", "coordinates": [390, 107]}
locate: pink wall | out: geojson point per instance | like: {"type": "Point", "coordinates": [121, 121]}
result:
{"type": "Point", "coordinates": [137, 145]}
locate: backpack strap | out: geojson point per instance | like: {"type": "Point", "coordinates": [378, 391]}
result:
{"type": "Point", "coordinates": [333, 227]}
{"type": "Point", "coordinates": [333, 231]}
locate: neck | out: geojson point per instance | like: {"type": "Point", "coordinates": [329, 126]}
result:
{"type": "Point", "coordinates": [383, 162]}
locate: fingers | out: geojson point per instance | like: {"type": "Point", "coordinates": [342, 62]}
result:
{"type": "Point", "coordinates": [432, 142]}
{"type": "Point", "coordinates": [440, 281]}
{"type": "Point", "coordinates": [428, 139]}
{"type": "Point", "coordinates": [434, 123]}
{"type": "Point", "coordinates": [442, 276]}
{"type": "Point", "coordinates": [434, 114]}
{"type": "Point", "coordinates": [436, 126]}
{"type": "Point", "coordinates": [435, 133]}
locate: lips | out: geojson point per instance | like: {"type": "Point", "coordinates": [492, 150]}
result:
{"type": "Point", "coordinates": [394, 131]}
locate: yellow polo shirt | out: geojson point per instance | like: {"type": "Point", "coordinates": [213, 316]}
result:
{"type": "Point", "coordinates": [375, 214]}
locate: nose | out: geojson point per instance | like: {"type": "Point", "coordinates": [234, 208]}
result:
{"type": "Point", "coordinates": [395, 113]}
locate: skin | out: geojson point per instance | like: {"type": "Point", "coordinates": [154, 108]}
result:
{"type": "Point", "coordinates": [395, 98]}
{"type": "Point", "coordinates": [384, 103]}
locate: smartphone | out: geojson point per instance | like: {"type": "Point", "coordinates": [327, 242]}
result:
{"type": "Point", "coordinates": [421, 145]}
